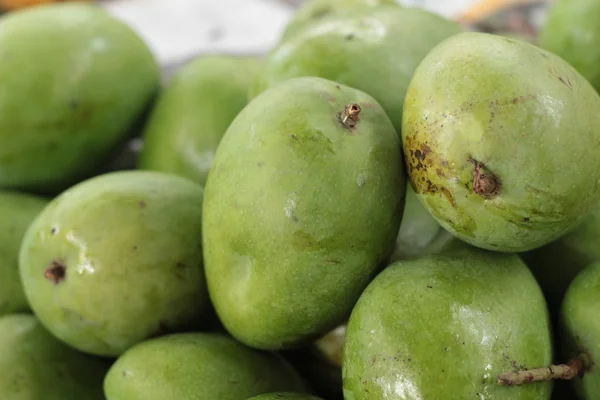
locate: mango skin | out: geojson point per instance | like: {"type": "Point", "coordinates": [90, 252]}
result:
{"type": "Point", "coordinates": [35, 365]}
{"type": "Point", "coordinates": [284, 396]}
{"type": "Point", "coordinates": [74, 79]}
{"type": "Point", "coordinates": [374, 50]}
{"type": "Point", "coordinates": [130, 243]}
{"type": "Point", "coordinates": [311, 11]}
{"type": "Point", "coordinates": [580, 327]}
{"type": "Point", "coordinates": [193, 112]}
{"type": "Point", "coordinates": [17, 212]}
{"type": "Point", "coordinates": [572, 31]}
{"type": "Point", "coordinates": [444, 326]}
{"type": "Point", "coordinates": [197, 366]}
{"type": "Point", "coordinates": [527, 116]}
{"type": "Point", "coordinates": [299, 212]}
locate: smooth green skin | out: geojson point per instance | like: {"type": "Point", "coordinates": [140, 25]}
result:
{"type": "Point", "coordinates": [285, 396]}
{"type": "Point", "coordinates": [299, 212]}
{"type": "Point", "coordinates": [131, 244]}
{"type": "Point", "coordinates": [444, 326]}
{"type": "Point", "coordinates": [558, 263]}
{"type": "Point", "coordinates": [524, 113]}
{"type": "Point", "coordinates": [572, 31]}
{"type": "Point", "coordinates": [311, 11]}
{"type": "Point", "coordinates": [17, 212]}
{"type": "Point", "coordinates": [374, 50]}
{"type": "Point", "coordinates": [581, 327]}
{"type": "Point", "coordinates": [193, 112]}
{"type": "Point", "coordinates": [35, 365]}
{"type": "Point", "coordinates": [419, 232]}
{"type": "Point", "coordinates": [197, 366]}
{"type": "Point", "coordinates": [74, 79]}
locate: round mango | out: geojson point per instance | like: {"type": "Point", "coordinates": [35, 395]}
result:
{"type": "Point", "coordinates": [502, 141]}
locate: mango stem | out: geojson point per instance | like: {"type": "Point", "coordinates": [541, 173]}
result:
{"type": "Point", "coordinates": [350, 115]}
{"type": "Point", "coordinates": [574, 368]}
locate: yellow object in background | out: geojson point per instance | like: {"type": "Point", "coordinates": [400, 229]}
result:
{"type": "Point", "coordinates": [12, 5]}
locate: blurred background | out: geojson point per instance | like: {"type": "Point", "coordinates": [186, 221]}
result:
{"type": "Point", "coordinates": [178, 30]}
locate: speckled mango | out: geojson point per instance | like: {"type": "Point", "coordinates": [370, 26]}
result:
{"type": "Point", "coordinates": [192, 114]}
{"type": "Point", "coordinates": [502, 141]}
{"type": "Point", "coordinates": [17, 212]}
{"type": "Point", "coordinates": [75, 79]}
{"type": "Point", "coordinates": [373, 49]}
{"type": "Point", "coordinates": [117, 259]}
{"type": "Point", "coordinates": [445, 326]}
{"type": "Point", "coordinates": [35, 365]}
{"type": "Point", "coordinates": [198, 366]}
{"type": "Point", "coordinates": [311, 11]}
{"type": "Point", "coordinates": [301, 209]}
{"type": "Point", "coordinates": [580, 328]}
{"type": "Point", "coordinates": [572, 31]}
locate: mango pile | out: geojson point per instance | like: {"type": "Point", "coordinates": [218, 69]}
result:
{"type": "Point", "coordinates": [388, 205]}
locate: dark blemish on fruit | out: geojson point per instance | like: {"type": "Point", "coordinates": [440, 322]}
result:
{"type": "Point", "coordinates": [429, 286]}
{"type": "Point", "coordinates": [56, 272]}
{"type": "Point", "coordinates": [123, 373]}
{"type": "Point", "coordinates": [485, 183]}
{"type": "Point", "coordinates": [74, 104]}
{"type": "Point", "coordinates": [338, 87]}
{"type": "Point", "coordinates": [373, 360]}
{"type": "Point", "coordinates": [294, 218]}
{"type": "Point", "coordinates": [134, 248]}
{"type": "Point", "coordinates": [260, 164]}
{"type": "Point", "coordinates": [440, 173]}
{"type": "Point", "coordinates": [419, 155]}
{"type": "Point", "coordinates": [543, 55]}
{"type": "Point", "coordinates": [333, 261]}
{"type": "Point", "coordinates": [449, 196]}
{"type": "Point", "coordinates": [53, 230]}
{"type": "Point", "coordinates": [350, 115]}
{"type": "Point", "coordinates": [525, 219]}
{"type": "Point", "coordinates": [349, 36]}
{"type": "Point", "coordinates": [567, 83]}
{"type": "Point", "coordinates": [142, 203]}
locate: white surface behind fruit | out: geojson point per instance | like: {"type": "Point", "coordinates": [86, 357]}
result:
{"type": "Point", "coordinates": [179, 29]}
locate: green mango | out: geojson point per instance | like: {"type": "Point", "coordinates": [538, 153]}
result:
{"type": "Point", "coordinates": [284, 396]}
{"type": "Point", "coordinates": [193, 112]}
{"type": "Point", "coordinates": [197, 366]}
{"type": "Point", "coordinates": [556, 264]}
{"type": "Point", "coordinates": [374, 49]}
{"type": "Point", "coordinates": [311, 11]}
{"type": "Point", "coordinates": [35, 365]}
{"type": "Point", "coordinates": [572, 31]}
{"type": "Point", "coordinates": [117, 259]}
{"type": "Point", "coordinates": [580, 326]}
{"type": "Point", "coordinates": [444, 326]}
{"type": "Point", "coordinates": [502, 141]}
{"type": "Point", "coordinates": [300, 211]}
{"type": "Point", "coordinates": [17, 212]}
{"type": "Point", "coordinates": [75, 79]}
{"type": "Point", "coordinates": [419, 232]}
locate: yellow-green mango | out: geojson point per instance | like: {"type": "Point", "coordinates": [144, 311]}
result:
{"type": "Point", "coordinates": [502, 141]}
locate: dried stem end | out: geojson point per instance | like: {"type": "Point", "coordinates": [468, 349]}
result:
{"type": "Point", "coordinates": [55, 272]}
{"type": "Point", "coordinates": [350, 116]}
{"type": "Point", "coordinates": [574, 368]}
{"type": "Point", "coordinates": [485, 183]}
